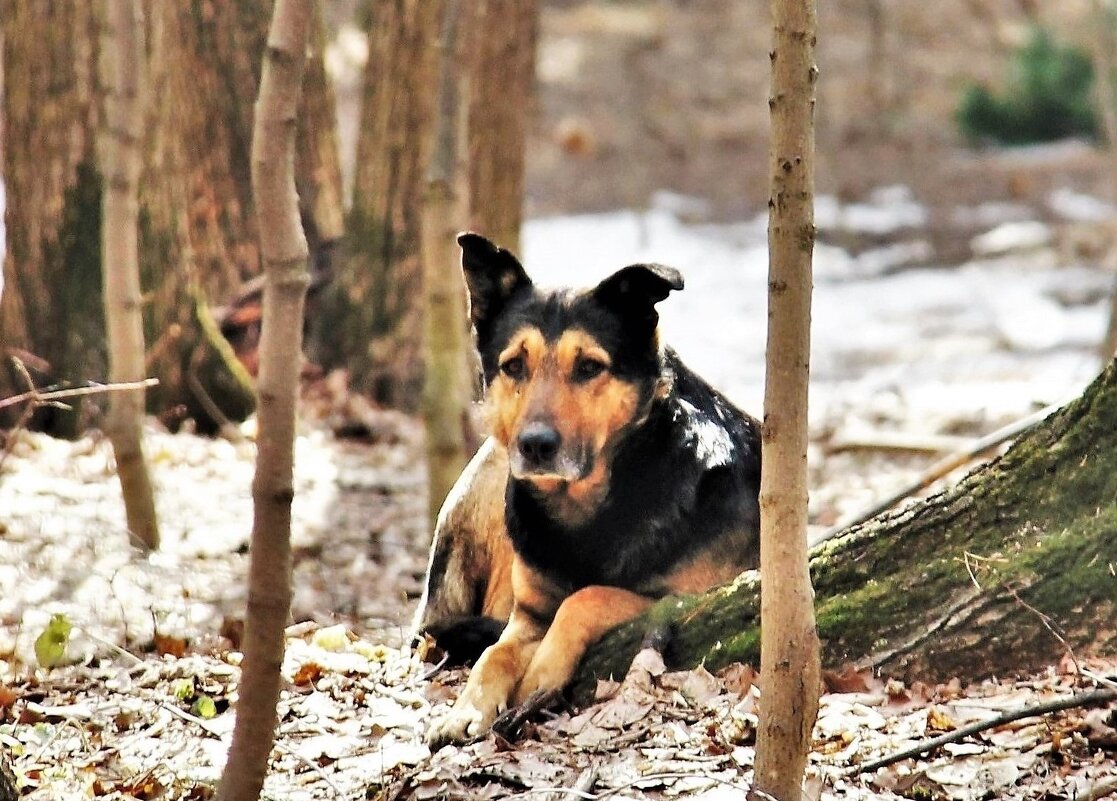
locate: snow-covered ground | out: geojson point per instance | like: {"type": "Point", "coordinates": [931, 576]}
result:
{"type": "Point", "coordinates": [921, 350]}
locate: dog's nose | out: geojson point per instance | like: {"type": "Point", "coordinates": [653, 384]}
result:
{"type": "Point", "coordinates": [539, 444]}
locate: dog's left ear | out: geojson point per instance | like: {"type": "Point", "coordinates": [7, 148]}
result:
{"type": "Point", "coordinates": [634, 290]}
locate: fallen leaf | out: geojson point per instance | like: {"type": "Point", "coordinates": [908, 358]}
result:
{"type": "Point", "coordinates": [846, 679]}
{"type": "Point", "coordinates": [332, 638]}
{"type": "Point", "coordinates": [698, 686]}
{"type": "Point", "coordinates": [938, 720]}
{"type": "Point", "coordinates": [170, 646]}
{"type": "Point", "coordinates": [204, 707]}
{"type": "Point", "coordinates": [8, 696]}
{"type": "Point", "coordinates": [738, 678]}
{"type": "Point", "coordinates": [307, 674]}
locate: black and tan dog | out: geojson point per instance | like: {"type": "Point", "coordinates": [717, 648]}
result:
{"type": "Point", "coordinates": [613, 476]}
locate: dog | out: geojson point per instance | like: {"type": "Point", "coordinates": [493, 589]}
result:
{"type": "Point", "coordinates": [613, 476]}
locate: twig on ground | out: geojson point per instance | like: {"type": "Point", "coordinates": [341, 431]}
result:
{"type": "Point", "coordinates": [942, 468]}
{"type": "Point", "coordinates": [1105, 681]}
{"type": "Point", "coordinates": [580, 788]}
{"type": "Point", "coordinates": [1102, 789]}
{"type": "Point", "coordinates": [1049, 624]}
{"type": "Point", "coordinates": [310, 763]}
{"type": "Point", "coordinates": [1026, 711]}
{"type": "Point", "coordinates": [510, 724]}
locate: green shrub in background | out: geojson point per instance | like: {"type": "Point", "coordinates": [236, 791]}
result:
{"type": "Point", "coordinates": [1049, 95]}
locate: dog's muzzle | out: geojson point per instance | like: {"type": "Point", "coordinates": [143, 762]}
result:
{"type": "Point", "coordinates": [538, 454]}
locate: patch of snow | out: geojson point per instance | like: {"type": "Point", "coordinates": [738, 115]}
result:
{"type": "Point", "coordinates": [560, 59]}
{"type": "Point", "coordinates": [685, 207]}
{"type": "Point", "coordinates": [1077, 207]}
{"type": "Point", "coordinates": [990, 214]}
{"type": "Point", "coordinates": [887, 210]}
{"type": "Point", "coordinates": [981, 343]}
{"type": "Point", "coordinates": [1011, 237]}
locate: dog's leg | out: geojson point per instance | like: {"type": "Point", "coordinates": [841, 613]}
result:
{"type": "Point", "coordinates": [580, 621]}
{"type": "Point", "coordinates": [491, 683]}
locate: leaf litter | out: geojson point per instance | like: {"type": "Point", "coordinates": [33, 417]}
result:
{"type": "Point", "coordinates": [141, 703]}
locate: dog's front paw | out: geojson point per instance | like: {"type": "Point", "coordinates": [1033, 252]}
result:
{"type": "Point", "coordinates": [545, 677]}
{"type": "Point", "coordinates": [464, 722]}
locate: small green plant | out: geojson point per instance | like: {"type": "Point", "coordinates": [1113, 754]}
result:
{"type": "Point", "coordinates": [50, 645]}
{"type": "Point", "coordinates": [1048, 96]}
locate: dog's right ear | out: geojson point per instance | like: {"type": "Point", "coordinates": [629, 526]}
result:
{"type": "Point", "coordinates": [492, 276]}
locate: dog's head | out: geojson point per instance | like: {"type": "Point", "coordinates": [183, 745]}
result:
{"type": "Point", "coordinates": [567, 372]}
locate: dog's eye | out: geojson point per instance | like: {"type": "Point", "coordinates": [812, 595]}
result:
{"type": "Point", "coordinates": [513, 368]}
{"type": "Point", "coordinates": [585, 369]}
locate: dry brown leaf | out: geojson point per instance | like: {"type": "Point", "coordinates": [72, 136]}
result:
{"type": "Point", "coordinates": [847, 679]}
{"type": "Point", "coordinates": [307, 674]}
{"type": "Point", "coordinates": [8, 696]}
{"type": "Point", "coordinates": [166, 645]}
{"type": "Point", "coordinates": [606, 689]}
{"type": "Point", "coordinates": [738, 677]}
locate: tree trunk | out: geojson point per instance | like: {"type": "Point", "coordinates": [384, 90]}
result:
{"type": "Point", "coordinates": [446, 387]}
{"type": "Point", "coordinates": [285, 253]}
{"type": "Point", "coordinates": [122, 56]}
{"type": "Point", "coordinates": [199, 234]}
{"type": "Point", "coordinates": [197, 229]}
{"type": "Point", "coordinates": [789, 663]}
{"type": "Point", "coordinates": [1106, 88]}
{"type": "Point", "coordinates": [375, 302]}
{"type": "Point", "coordinates": [50, 313]}
{"type": "Point", "coordinates": [953, 585]}
{"type": "Point", "coordinates": [503, 39]}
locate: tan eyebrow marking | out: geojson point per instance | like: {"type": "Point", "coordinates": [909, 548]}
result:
{"type": "Point", "coordinates": [526, 342]}
{"type": "Point", "coordinates": [575, 343]}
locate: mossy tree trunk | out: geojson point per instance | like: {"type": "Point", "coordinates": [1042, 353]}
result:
{"type": "Point", "coordinates": [198, 237]}
{"type": "Point", "coordinates": [200, 230]}
{"type": "Point", "coordinates": [952, 585]}
{"type": "Point", "coordinates": [503, 38]}
{"type": "Point", "coordinates": [51, 314]}
{"type": "Point", "coordinates": [375, 301]}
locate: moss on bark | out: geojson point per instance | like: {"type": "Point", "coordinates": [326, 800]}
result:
{"type": "Point", "coordinates": [956, 584]}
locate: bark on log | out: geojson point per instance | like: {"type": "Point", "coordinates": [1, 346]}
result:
{"type": "Point", "coordinates": [953, 585]}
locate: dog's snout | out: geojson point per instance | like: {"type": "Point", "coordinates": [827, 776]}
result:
{"type": "Point", "coordinates": [539, 444]}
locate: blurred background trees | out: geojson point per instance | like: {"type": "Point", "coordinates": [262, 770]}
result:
{"type": "Point", "coordinates": [570, 107]}
{"type": "Point", "coordinates": [634, 97]}
{"type": "Point", "coordinates": [198, 242]}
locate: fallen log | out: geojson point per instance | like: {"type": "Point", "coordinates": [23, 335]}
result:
{"type": "Point", "coordinates": [1000, 574]}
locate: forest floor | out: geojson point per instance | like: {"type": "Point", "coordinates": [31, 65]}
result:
{"type": "Point", "coordinates": [912, 361]}
{"type": "Point", "coordinates": [941, 313]}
